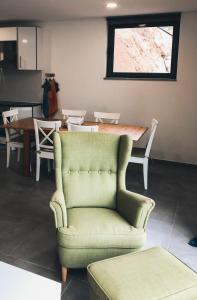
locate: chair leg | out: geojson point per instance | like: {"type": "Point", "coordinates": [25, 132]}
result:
{"type": "Point", "coordinates": [145, 173]}
{"type": "Point", "coordinates": [18, 154]}
{"type": "Point", "coordinates": [37, 168]}
{"type": "Point", "coordinates": [64, 274]}
{"type": "Point", "coordinates": [8, 156]}
{"type": "Point", "coordinates": [49, 165]}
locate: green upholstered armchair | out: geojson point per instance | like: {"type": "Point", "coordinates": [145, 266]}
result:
{"type": "Point", "coordinates": [95, 216]}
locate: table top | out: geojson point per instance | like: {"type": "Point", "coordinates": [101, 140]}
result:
{"type": "Point", "coordinates": [18, 284]}
{"type": "Point", "coordinates": [134, 131]}
{"type": "Point", "coordinates": [19, 103]}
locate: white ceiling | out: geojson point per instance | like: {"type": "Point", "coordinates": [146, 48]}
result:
{"type": "Point", "coordinates": [56, 10]}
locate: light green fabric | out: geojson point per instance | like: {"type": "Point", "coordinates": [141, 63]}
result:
{"type": "Point", "coordinates": [134, 208]}
{"type": "Point", "coordinates": [81, 258]}
{"type": "Point", "coordinates": [57, 204]}
{"type": "Point", "coordinates": [87, 162]}
{"type": "Point", "coordinates": [153, 274]}
{"type": "Point", "coordinates": [90, 179]}
{"type": "Point", "coordinates": [99, 228]}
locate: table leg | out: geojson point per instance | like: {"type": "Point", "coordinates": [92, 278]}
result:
{"type": "Point", "coordinates": [26, 156]}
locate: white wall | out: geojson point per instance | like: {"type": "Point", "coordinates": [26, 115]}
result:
{"type": "Point", "coordinates": [78, 58]}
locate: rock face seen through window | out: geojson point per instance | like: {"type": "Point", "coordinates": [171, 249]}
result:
{"type": "Point", "coordinates": [146, 50]}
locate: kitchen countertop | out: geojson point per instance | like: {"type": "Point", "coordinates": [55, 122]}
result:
{"type": "Point", "coordinates": [19, 103]}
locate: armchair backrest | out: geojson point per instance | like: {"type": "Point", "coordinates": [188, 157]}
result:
{"type": "Point", "coordinates": [90, 167]}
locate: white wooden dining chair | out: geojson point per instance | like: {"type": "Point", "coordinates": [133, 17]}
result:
{"type": "Point", "coordinates": [14, 137]}
{"type": "Point", "coordinates": [112, 118]}
{"type": "Point", "coordinates": [44, 142]}
{"type": "Point", "coordinates": [141, 155]}
{"type": "Point", "coordinates": [66, 113]}
{"type": "Point", "coordinates": [73, 127]}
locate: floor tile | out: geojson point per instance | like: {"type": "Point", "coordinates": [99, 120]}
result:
{"type": "Point", "coordinates": [13, 231]}
{"type": "Point", "coordinates": [40, 247]}
{"type": "Point", "coordinates": [28, 236]}
{"type": "Point", "coordinates": [77, 290]}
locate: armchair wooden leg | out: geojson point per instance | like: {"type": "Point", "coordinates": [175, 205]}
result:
{"type": "Point", "coordinates": [64, 274]}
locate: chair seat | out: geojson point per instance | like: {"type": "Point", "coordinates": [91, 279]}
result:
{"type": "Point", "coordinates": [99, 228]}
{"type": "Point", "coordinates": [49, 154]}
{"type": "Point", "coordinates": [18, 142]}
{"type": "Point", "coordinates": [17, 139]}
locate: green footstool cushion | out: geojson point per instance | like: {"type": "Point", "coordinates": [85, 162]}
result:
{"type": "Point", "coordinates": [152, 274]}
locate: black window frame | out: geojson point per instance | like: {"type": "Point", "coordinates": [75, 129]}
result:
{"type": "Point", "coordinates": [153, 20]}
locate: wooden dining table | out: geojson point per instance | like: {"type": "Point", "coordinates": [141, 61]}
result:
{"type": "Point", "coordinates": [27, 125]}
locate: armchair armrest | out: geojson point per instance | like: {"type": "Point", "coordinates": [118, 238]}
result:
{"type": "Point", "coordinates": [134, 208]}
{"type": "Point", "coordinates": [57, 204]}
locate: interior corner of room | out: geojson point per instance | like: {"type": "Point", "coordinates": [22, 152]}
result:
{"type": "Point", "coordinates": [81, 61]}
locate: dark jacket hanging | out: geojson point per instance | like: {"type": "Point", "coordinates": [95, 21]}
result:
{"type": "Point", "coordinates": [45, 104]}
{"type": "Point", "coordinates": [50, 105]}
{"type": "Point", "coordinates": [53, 107]}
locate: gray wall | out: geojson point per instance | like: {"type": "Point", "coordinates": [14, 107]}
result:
{"type": "Point", "coordinates": [78, 58]}
{"type": "Point", "coordinates": [20, 85]}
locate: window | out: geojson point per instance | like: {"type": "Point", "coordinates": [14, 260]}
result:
{"type": "Point", "coordinates": [143, 46]}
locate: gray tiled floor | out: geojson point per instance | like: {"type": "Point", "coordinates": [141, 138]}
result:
{"type": "Point", "coordinates": [27, 234]}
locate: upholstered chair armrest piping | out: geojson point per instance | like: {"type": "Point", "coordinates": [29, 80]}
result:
{"type": "Point", "coordinates": [58, 206]}
{"type": "Point", "coordinates": [134, 208]}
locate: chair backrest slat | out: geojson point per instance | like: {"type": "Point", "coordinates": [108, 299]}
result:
{"type": "Point", "coordinates": [43, 133]}
{"type": "Point", "coordinates": [154, 124]}
{"type": "Point", "coordinates": [73, 127]}
{"type": "Point", "coordinates": [10, 116]}
{"type": "Point", "coordinates": [111, 117]}
{"type": "Point", "coordinates": [66, 113]}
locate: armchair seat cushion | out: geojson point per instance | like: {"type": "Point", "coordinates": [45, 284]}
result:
{"type": "Point", "coordinates": [99, 228]}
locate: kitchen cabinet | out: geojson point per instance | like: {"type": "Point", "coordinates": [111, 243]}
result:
{"type": "Point", "coordinates": [26, 48]}
{"type": "Point", "coordinates": [29, 43]}
{"type": "Point", "coordinates": [8, 34]}
{"type": "Point", "coordinates": [39, 50]}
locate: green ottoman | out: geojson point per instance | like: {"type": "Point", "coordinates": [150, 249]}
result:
{"type": "Point", "coordinates": [152, 274]}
